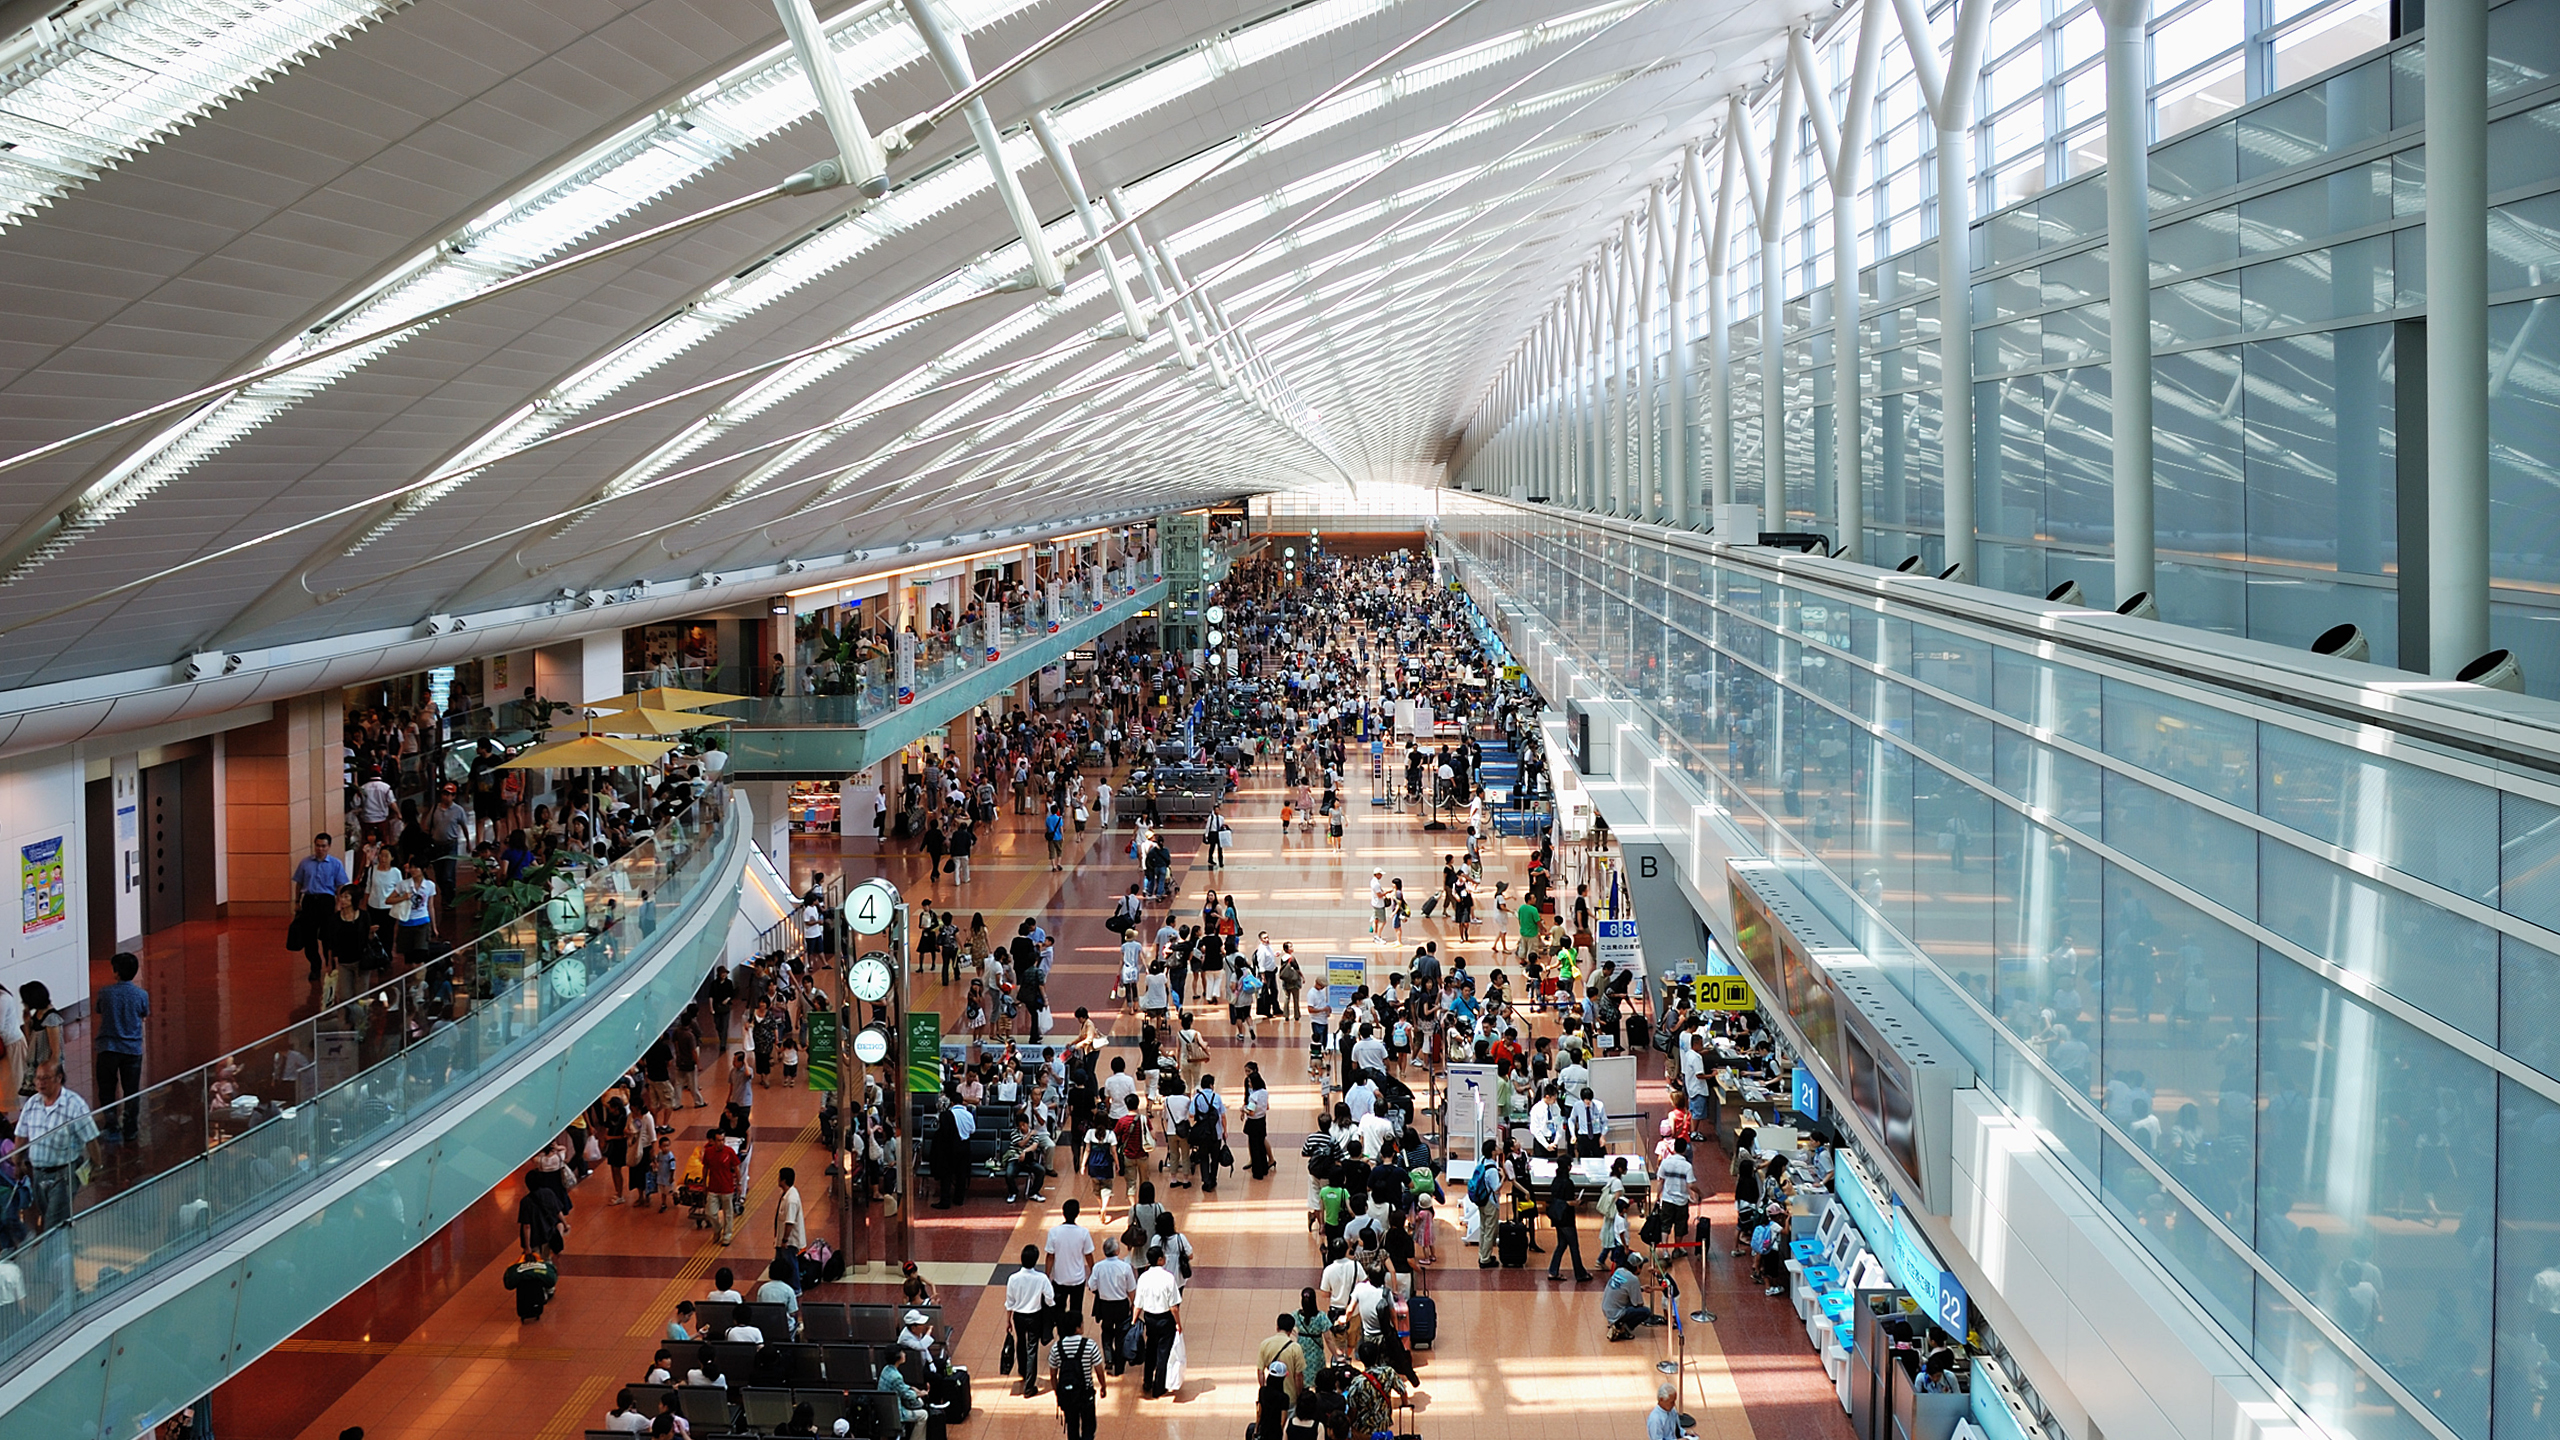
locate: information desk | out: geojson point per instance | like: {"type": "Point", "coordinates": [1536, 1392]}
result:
{"type": "Point", "coordinates": [1589, 1175]}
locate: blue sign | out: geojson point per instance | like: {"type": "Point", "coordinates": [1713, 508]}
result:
{"type": "Point", "coordinates": [1950, 1312]}
{"type": "Point", "coordinates": [1805, 1096]}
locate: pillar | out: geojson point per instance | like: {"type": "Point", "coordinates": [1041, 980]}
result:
{"type": "Point", "coordinates": [2129, 292]}
{"type": "Point", "coordinates": [2457, 334]}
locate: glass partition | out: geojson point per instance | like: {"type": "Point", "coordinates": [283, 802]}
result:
{"type": "Point", "coordinates": [222, 1145]}
{"type": "Point", "coordinates": [2278, 987]}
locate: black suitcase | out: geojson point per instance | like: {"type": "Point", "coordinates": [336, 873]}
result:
{"type": "Point", "coordinates": [955, 1389]}
{"type": "Point", "coordinates": [1429, 905]}
{"type": "Point", "coordinates": [1511, 1243]}
{"type": "Point", "coordinates": [1639, 1033]}
{"type": "Point", "coordinates": [1422, 1316]}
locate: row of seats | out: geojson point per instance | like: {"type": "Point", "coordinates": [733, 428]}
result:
{"type": "Point", "coordinates": [837, 1365]}
{"type": "Point", "coordinates": [830, 1322]}
{"type": "Point", "coordinates": [758, 1410]}
{"type": "Point", "coordinates": [986, 1143]}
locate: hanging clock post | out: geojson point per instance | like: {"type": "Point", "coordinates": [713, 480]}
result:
{"type": "Point", "coordinates": [875, 911]}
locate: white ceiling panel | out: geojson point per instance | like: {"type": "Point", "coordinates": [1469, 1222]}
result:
{"type": "Point", "coordinates": [1377, 258]}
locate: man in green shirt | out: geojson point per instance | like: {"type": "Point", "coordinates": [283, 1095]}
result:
{"type": "Point", "coordinates": [1528, 925]}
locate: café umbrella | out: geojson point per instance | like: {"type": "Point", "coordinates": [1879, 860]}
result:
{"type": "Point", "coordinates": [650, 720]}
{"type": "Point", "coordinates": [589, 752]}
{"type": "Point", "coordinates": [666, 698]}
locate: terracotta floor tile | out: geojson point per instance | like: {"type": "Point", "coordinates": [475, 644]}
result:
{"type": "Point", "coordinates": [1517, 1357]}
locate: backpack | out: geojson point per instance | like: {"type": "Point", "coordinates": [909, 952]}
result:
{"type": "Point", "coordinates": [1484, 1184]}
{"type": "Point", "coordinates": [1073, 1374]}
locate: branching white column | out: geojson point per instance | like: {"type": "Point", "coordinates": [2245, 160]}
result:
{"type": "Point", "coordinates": [2129, 290]}
{"type": "Point", "coordinates": [1769, 199]}
{"type": "Point", "coordinates": [1949, 96]}
{"type": "Point", "coordinates": [1649, 501]}
{"type": "Point", "coordinates": [1719, 328]}
{"type": "Point", "coordinates": [1843, 148]}
{"type": "Point", "coordinates": [1677, 478]}
{"type": "Point", "coordinates": [1596, 404]}
{"type": "Point", "coordinates": [1622, 418]}
{"type": "Point", "coordinates": [2457, 334]}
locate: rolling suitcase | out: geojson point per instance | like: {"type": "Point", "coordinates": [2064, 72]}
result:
{"type": "Point", "coordinates": [1422, 1318]}
{"type": "Point", "coordinates": [1639, 1033]}
{"type": "Point", "coordinates": [1511, 1243]}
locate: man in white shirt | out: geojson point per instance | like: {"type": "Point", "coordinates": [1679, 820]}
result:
{"type": "Point", "coordinates": [56, 1134]}
{"type": "Point", "coordinates": [1119, 1086]}
{"type": "Point", "coordinates": [1027, 1298]}
{"type": "Point", "coordinates": [724, 1286]}
{"type": "Point", "coordinates": [1377, 1134]}
{"type": "Point", "coordinates": [1672, 1180]}
{"type": "Point", "coordinates": [1340, 1278]}
{"type": "Point", "coordinates": [778, 1291]}
{"type": "Point", "coordinates": [790, 1222]}
{"type": "Point", "coordinates": [1113, 1282]}
{"type": "Point", "coordinates": [1369, 1052]}
{"type": "Point", "coordinates": [1070, 1253]}
{"type": "Point", "coordinates": [1546, 1124]}
{"type": "Point", "coordinates": [1159, 1298]}
{"type": "Point", "coordinates": [1362, 1098]}
{"type": "Point", "coordinates": [1378, 892]}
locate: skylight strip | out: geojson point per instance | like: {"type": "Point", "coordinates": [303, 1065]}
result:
{"type": "Point", "coordinates": [111, 78]}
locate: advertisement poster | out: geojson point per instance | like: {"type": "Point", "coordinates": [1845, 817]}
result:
{"type": "Point", "coordinates": [42, 899]}
{"type": "Point", "coordinates": [822, 1050]}
{"type": "Point", "coordinates": [924, 1053]}
{"type": "Point", "coordinates": [906, 667]}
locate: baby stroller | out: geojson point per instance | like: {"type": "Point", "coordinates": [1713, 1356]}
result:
{"type": "Point", "coordinates": [693, 1194]}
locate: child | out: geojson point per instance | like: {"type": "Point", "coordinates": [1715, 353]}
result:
{"type": "Point", "coordinates": [790, 1062]}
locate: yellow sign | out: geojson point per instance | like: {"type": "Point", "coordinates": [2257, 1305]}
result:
{"type": "Point", "coordinates": [1721, 992]}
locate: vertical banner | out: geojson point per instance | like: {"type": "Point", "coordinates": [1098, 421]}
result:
{"type": "Point", "coordinates": [1093, 585]}
{"type": "Point", "coordinates": [924, 1052]}
{"type": "Point", "coordinates": [1344, 974]}
{"type": "Point", "coordinates": [906, 667]}
{"type": "Point", "coordinates": [995, 631]}
{"type": "Point", "coordinates": [42, 901]}
{"type": "Point", "coordinates": [822, 1063]}
{"type": "Point", "coordinates": [1056, 608]}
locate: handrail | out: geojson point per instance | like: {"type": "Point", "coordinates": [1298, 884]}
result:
{"type": "Point", "coordinates": [267, 1121]}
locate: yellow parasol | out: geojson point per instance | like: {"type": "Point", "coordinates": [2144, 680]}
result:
{"type": "Point", "coordinates": [666, 698]}
{"type": "Point", "coordinates": [589, 752]}
{"type": "Point", "coordinates": [649, 720]}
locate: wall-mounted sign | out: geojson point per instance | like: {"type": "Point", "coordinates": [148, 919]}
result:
{"type": "Point", "coordinates": [43, 901]}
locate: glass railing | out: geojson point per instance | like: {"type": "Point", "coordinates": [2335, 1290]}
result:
{"type": "Point", "coordinates": [862, 693]}
{"type": "Point", "coordinates": [226, 1143]}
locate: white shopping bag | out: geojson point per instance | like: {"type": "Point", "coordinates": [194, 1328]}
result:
{"type": "Point", "coordinates": [1173, 1364]}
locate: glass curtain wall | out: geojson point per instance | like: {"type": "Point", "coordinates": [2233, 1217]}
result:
{"type": "Point", "coordinates": [2288, 257]}
{"type": "Point", "coordinates": [2280, 989]}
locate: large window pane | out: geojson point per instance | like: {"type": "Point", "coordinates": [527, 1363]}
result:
{"type": "Point", "coordinates": [2528, 1315]}
{"type": "Point", "coordinates": [2323, 1379]}
{"type": "Point", "coordinates": [1951, 906]}
{"type": "Point", "coordinates": [2441, 963]}
{"type": "Point", "coordinates": [2194, 847]}
{"type": "Point", "coordinates": [2370, 1187]}
{"type": "Point", "coordinates": [2208, 749]}
{"type": "Point", "coordinates": [2061, 785]}
{"type": "Point", "coordinates": [2210, 1270]}
{"type": "Point", "coordinates": [2181, 1042]}
{"type": "Point", "coordinates": [2046, 901]}
{"type": "Point", "coordinates": [2432, 825]}
{"type": "Point", "coordinates": [2524, 443]}
{"type": "Point", "coordinates": [2047, 696]}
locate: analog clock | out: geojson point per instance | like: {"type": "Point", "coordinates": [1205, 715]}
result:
{"type": "Point", "coordinates": [869, 979]}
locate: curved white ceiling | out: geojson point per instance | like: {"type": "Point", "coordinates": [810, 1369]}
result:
{"type": "Point", "coordinates": [1355, 208]}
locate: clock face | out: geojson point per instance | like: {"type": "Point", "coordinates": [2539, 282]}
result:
{"type": "Point", "coordinates": [871, 906]}
{"type": "Point", "coordinates": [870, 1045]}
{"type": "Point", "coordinates": [870, 980]}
